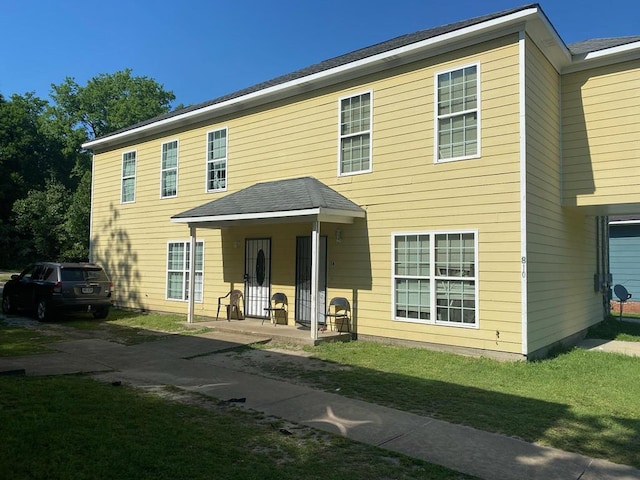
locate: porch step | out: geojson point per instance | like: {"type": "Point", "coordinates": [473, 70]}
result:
{"type": "Point", "coordinates": [275, 333]}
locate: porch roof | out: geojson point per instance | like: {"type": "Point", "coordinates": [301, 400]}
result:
{"type": "Point", "coordinates": [291, 200]}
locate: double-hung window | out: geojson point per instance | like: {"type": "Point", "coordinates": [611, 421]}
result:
{"type": "Point", "coordinates": [435, 279]}
{"type": "Point", "coordinates": [178, 266]}
{"type": "Point", "coordinates": [217, 160]}
{"type": "Point", "coordinates": [128, 190]}
{"type": "Point", "coordinates": [169, 170]}
{"type": "Point", "coordinates": [457, 114]}
{"type": "Point", "coordinates": [355, 134]}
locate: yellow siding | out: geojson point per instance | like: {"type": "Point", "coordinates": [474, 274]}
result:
{"type": "Point", "coordinates": [406, 191]}
{"type": "Point", "coordinates": [560, 242]}
{"type": "Point", "coordinates": [601, 134]}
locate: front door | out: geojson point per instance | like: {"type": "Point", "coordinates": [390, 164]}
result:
{"type": "Point", "coordinates": [303, 279]}
{"type": "Point", "coordinates": [257, 276]}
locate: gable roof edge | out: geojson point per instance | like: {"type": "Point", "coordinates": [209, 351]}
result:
{"type": "Point", "coordinates": [328, 76]}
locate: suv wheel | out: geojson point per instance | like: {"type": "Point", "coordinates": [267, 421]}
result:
{"type": "Point", "coordinates": [7, 306]}
{"type": "Point", "coordinates": [101, 313]}
{"type": "Point", "coordinates": [42, 310]}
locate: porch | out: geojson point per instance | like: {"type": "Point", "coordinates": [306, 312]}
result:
{"type": "Point", "coordinates": [288, 214]}
{"type": "Point", "coordinates": [269, 332]}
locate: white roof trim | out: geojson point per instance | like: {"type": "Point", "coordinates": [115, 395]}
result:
{"type": "Point", "coordinates": [323, 213]}
{"type": "Point", "coordinates": [381, 57]}
{"type": "Point", "coordinates": [606, 56]}
{"type": "Point", "coordinates": [619, 50]}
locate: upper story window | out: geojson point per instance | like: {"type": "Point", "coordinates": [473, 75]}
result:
{"type": "Point", "coordinates": [355, 134]}
{"type": "Point", "coordinates": [435, 278]}
{"type": "Point", "coordinates": [169, 170]}
{"type": "Point", "coordinates": [458, 117]}
{"type": "Point", "coordinates": [217, 160]}
{"type": "Point", "coordinates": [128, 177]}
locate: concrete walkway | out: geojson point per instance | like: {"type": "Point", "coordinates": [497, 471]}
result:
{"type": "Point", "coordinates": [190, 363]}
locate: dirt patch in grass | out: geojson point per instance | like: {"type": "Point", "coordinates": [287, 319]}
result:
{"type": "Point", "coordinates": [278, 362]}
{"type": "Point", "coordinates": [81, 328]}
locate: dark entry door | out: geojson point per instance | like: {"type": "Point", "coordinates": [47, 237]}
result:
{"type": "Point", "coordinates": [303, 279]}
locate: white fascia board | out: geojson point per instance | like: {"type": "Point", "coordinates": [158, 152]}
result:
{"type": "Point", "coordinates": [326, 214]}
{"type": "Point", "coordinates": [247, 216]}
{"type": "Point", "coordinates": [607, 56]}
{"type": "Point", "coordinates": [304, 82]}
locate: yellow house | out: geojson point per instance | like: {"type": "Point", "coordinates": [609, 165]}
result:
{"type": "Point", "coordinates": [453, 184]}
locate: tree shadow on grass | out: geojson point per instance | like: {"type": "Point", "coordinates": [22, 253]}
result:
{"type": "Point", "coordinates": [613, 329]}
{"type": "Point", "coordinates": [554, 424]}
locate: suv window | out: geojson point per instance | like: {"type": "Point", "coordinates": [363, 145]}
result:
{"type": "Point", "coordinates": [82, 275]}
{"type": "Point", "coordinates": [49, 274]}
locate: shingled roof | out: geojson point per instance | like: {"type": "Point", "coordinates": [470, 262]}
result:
{"type": "Point", "coordinates": [363, 53]}
{"type": "Point", "coordinates": [282, 198]}
{"type": "Point", "coordinates": [597, 44]}
{"type": "Point", "coordinates": [389, 47]}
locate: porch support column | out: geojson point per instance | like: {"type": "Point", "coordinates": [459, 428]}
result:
{"type": "Point", "coordinates": [315, 262]}
{"type": "Point", "coordinates": [192, 272]}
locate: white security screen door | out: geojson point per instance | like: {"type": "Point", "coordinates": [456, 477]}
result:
{"type": "Point", "coordinates": [257, 276]}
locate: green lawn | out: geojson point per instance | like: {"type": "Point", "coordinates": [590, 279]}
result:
{"type": "Point", "coordinates": [17, 341]}
{"type": "Point", "coordinates": [76, 428]}
{"type": "Point", "coordinates": [582, 401]}
{"type": "Point", "coordinates": [587, 402]}
{"type": "Point", "coordinates": [614, 329]}
{"type": "Point", "coordinates": [130, 327]}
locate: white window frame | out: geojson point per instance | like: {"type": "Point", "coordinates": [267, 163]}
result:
{"type": "Point", "coordinates": [360, 133]}
{"type": "Point", "coordinates": [164, 170]}
{"type": "Point", "coordinates": [224, 159]}
{"type": "Point", "coordinates": [124, 177]}
{"type": "Point", "coordinates": [437, 117]}
{"type": "Point", "coordinates": [433, 278]}
{"type": "Point", "coordinates": [184, 271]}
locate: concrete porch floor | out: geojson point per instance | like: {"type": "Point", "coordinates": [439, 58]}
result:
{"type": "Point", "coordinates": [290, 334]}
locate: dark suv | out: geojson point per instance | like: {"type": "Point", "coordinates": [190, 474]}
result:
{"type": "Point", "coordinates": [45, 287]}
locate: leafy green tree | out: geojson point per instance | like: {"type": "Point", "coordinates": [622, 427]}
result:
{"type": "Point", "coordinates": [110, 102]}
{"type": "Point", "coordinates": [45, 175]}
{"type": "Point", "coordinates": [41, 217]}
{"type": "Point", "coordinates": [76, 222]}
{"type": "Point", "coordinates": [29, 154]}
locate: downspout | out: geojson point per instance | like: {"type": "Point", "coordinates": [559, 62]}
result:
{"type": "Point", "coordinates": [607, 271]}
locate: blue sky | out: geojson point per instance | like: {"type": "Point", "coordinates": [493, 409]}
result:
{"type": "Point", "coordinates": [202, 49]}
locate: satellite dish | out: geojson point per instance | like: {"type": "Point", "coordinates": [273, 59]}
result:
{"type": "Point", "coordinates": [622, 293]}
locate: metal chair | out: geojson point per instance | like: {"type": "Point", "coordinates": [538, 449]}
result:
{"type": "Point", "coordinates": [232, 304]}
{"type": "Point", "coordinates": [277, 307]}
{"type": "Point", "coordinates": [622, 294]}
{"type": "Point", "coordinates": [339, 314]}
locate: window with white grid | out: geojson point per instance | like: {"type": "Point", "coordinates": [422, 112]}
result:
{"type": "Point", "coordinates": [217, 160]}
{"type": "Point", "coordinates": [178, 258]}
{"type": "Point", "coordinates": [169, 168]}
{"type": "Point", "coordinates": [457, 112]}
{"type": "Point", "coordinates": [435, 278]}
{"type": "Point", "coordinates": [128, 191]}
{"type": "Point", "coordinates": [355, 134]}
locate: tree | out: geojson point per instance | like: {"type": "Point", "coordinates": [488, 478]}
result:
{"type": "Point", "coordinates": [110, 102]}
{"type": "Point", "coordinates": [41, 217]}
{"type": "Point", "coordinates": [29, 154]}
{"type": "Point", "coordinates": [45, 175]}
